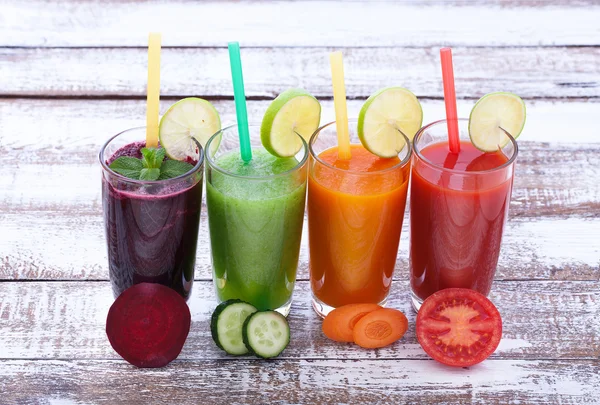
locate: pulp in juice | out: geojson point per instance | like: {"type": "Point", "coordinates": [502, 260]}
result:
{"type": "Point", "coordinates": [255, 227]}
{"type": "Point", "coordinates": [355, 213]}
{"type": "Point", "coordinates": [457, 218]}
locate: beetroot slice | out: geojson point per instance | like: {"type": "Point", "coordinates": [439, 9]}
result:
{"type": "Point", "coordinates": [148, 324]}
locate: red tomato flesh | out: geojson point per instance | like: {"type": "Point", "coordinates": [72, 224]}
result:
{"type": "Point", "coordinates": [459, 327]}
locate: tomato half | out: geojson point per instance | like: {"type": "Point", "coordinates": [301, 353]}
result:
{"type": "Point", "coordinates": [459, 327]}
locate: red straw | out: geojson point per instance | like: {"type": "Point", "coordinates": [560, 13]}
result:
{"type": "Point", "coordinates": [450, 99]}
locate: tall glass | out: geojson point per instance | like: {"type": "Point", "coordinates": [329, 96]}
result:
{"type": "Point", "coordinates": [151, 226]}
{"type": "Point", "coordinates": [354, 220]}
{"type": "Point", "coordinates": [457, 216]}
{"type": "Point", "coordinates": [255, 216]}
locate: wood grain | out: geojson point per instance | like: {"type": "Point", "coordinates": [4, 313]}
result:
{"type": "Point", "coordinates": [66, 320]}
{"type": "Point", "coordinates": [81, 68]}
{"type": "Point", "coordinates": [51, 215]}
{"type": "Point", "coordinates": [32, 125]}
{"type": "Point", "coordinates": [118, 72]}
{"type": "Point", "coordinates": [377, 382]}
{"type": "Point", "coordinates": [66, 242]}
{"type": "Point", "coordinates": [300, 23]}
{"type": "Point", "coordinates": [31, 176]}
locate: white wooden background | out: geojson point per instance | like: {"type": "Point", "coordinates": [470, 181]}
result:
{"type": "Point", "coordinates": [72, 73]}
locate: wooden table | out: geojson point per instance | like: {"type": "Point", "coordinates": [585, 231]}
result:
{"type": "Point", "coordinates": [72, 73]}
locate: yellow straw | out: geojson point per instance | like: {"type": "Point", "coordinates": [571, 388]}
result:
{"type": "Point", "coordinates": [153, 94]}
{"type": "Point", "coordinates": [339, 100]}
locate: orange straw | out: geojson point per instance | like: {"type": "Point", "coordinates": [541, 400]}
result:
{"type": "Point", "coordinates": [450, 99]}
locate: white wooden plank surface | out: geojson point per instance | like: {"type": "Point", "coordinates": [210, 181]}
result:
{"type": "Point", "coordinates": [70, 245]}
{"type": "Point", "coordinates": [52, 344]}
{"type": "Point", "coordinates": [33, 125]}
{"type": "Point", "coordinates": [532, 72]}
{"type": "Point", "coordinates": [376, 382]}
{"type": "Point", "coordinates": [66, 320]}
{"type": "Point", "coordinates": [50, 145]}
{"type": "Point", "coordinates": [265, 23]}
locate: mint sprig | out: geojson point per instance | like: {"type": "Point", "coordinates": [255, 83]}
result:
{"type": "Point", "coordinates": [152, 166]}
{"type": "Point", "coordinates": [152, 158]}
{"type": "Point", "coordinates": [127, 166]}
{"type": "Point", "coordinates": [173, 168]}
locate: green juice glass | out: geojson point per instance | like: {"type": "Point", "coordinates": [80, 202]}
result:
{"type": "Point", "coordinates": [255, 217]}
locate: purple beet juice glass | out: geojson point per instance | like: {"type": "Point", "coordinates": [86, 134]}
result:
{"type": "Point", "coordinates": [151, 226]}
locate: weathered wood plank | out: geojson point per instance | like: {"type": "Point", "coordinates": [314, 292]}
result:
{"type": "Point", "coordinates": [50, 145]}
{"type": "Point", "coordinates": [30, 179]}
{"type": "Point", "coordinates": [552, 233]}
{"type": "Point", "coordinates": [59, 124]}
{"type": "Point", "coordinates": [33, 213]}
{"type": "Point", "coordinates": [66, 320]}
{"type": "Point", "coordinates": [65, 241]}
{"type": "Point", "coordinates": [374, 382]}
{"type": "Point", "coordinates": [263, 23]}
{"type": "Point", "coordinates": [531, 72]}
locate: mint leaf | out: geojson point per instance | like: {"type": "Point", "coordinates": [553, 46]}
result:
{"type": "Point", "coordinates": [148, 157]}
{"type": "Point", "coordinates": [160, 156]}
{"type": "Point", "coordinates": [150, 167]}
{"type": "Point", "coordinates": [127, 166]}
{"type": "Point", "coordinates": [173, 168]}
{"type": "Point", "coordinates": [149, 174]}
{"type": "Point", "coordinates": [152, 158]}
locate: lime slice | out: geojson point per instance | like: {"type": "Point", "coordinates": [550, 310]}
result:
{"type": "Point", "coordinates": [492, 114]}
{"type": "Point", "coordinates": [186, 119]}
{"type": "Point", "coordinates": [294, 112]}
{"type": "Point", "coordinates": [383, 115]}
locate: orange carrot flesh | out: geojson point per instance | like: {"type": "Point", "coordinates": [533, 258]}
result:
{"type": "Point", "coordinates": [380, 328]}
{"type": "Point", "coordinates": [340, 322]}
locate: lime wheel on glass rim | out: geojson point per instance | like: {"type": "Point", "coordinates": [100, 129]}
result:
{"type": "Point", "coordinates": [385, 116]}
{"type": "Point", "coordinates": [294, 112]}
{"type": "Point", "coordinates": [492, 115]}
{"type": "Point", "coordinates": [188, 119]}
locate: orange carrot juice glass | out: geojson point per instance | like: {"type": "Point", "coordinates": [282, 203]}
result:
{"type": "Point", "coordinates": [355, 213]}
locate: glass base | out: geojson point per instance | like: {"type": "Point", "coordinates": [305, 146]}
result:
{"type": "Point", "coordinates": [415, 301]}
{"type": "Point", "coordinates": [323, 309]}
{"type": "Point", "coordinates": [285, 308]}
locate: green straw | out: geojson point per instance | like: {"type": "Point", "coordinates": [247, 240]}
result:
{"type": "Point", "coordinates": [240, 100]}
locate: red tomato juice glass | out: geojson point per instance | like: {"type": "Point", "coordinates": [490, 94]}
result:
{"type": "Point", "coordinates": [458, 208]}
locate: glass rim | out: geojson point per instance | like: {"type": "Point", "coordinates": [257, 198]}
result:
{"type": "Point", "coordinates": [420, 156]}
{"type": "Point", "coordinates": [397, 166]}
{"type": "Point", "coordinates": [106, 168]}
{"type": "Point", "coordinates": [213, 164]}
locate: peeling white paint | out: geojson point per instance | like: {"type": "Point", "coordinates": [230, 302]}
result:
{"type": "Point", "coordinates": [509, 345]}
{"type": "Point", "coordinates": [554, 242]}
{"type": "Point", "coordinates": [259, 24]}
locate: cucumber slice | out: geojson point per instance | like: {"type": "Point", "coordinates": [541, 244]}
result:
{"type": "Point", "coordinates": [266, 334]}
{"type": "Point", "coordinates": [226, 325]}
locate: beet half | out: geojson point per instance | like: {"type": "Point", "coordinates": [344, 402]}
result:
{"type": "Point", "coordinates": [147, 325]}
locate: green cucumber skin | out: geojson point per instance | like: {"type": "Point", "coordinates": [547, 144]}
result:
{"type": "Point", "coordinates": [247, 340]}
{"type": "Point", "coordinates": [245, 335]}
{"type": "Point", "coordinates": [215, 319]}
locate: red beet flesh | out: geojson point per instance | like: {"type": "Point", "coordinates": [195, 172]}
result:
{"type": "Point", "coordinates": [148, 324]}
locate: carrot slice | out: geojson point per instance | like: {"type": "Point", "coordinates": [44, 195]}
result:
{"type": "Point", "coordinates": [338, 324]}
{"type": "Point", "coordinates": [380, 328]}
